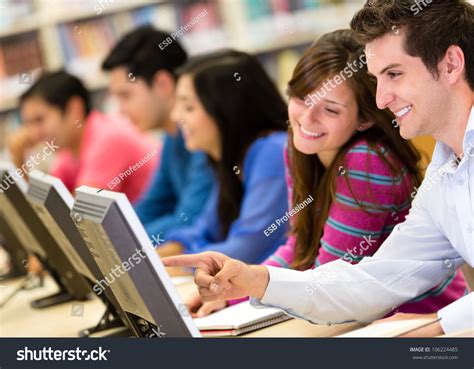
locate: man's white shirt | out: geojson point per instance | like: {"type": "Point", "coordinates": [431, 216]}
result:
{"type": "Point", "coordinates": [436, 238]}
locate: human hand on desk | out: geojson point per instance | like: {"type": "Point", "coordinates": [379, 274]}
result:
{"type": "Point", "coordinates": [219, 277]}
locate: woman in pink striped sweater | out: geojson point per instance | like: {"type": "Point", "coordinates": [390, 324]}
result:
{"type": "Point", "coordinates": [347, 156]}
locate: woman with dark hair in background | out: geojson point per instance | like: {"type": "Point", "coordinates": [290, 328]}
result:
{"type": "Point", "coordinates": [229, 108]}
{"type": "Point", "coordinates": [346, 154]}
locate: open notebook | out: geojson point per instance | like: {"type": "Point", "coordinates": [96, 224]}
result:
{"type": "Point", "coordinates": [239, 319]}
{"type": "Point", "coordinates": [390, 329]}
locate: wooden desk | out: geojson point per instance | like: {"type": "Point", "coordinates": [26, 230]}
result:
{"type": "Point", "coordinates": [302, 328]}
{"type": "Point", "coordinates": [18, 319]}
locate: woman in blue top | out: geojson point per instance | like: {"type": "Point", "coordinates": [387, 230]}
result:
{"type": "Point", "coordinates": [228, 107]}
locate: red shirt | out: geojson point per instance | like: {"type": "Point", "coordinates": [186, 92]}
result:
{"type": "Point", "coordinates": [114, 155]}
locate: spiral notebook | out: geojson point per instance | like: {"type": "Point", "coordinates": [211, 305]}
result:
{"type": "Point", "coordinates": [239, 319]}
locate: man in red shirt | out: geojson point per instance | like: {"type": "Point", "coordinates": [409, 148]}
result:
{"type": "Point", "coordinates": [94, 149]}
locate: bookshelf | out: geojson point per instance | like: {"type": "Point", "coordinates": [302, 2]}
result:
{"type": "Point", "coordinates": [38, 35]}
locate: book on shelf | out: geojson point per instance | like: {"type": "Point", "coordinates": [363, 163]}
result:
{"type": "Point", "coordinates": [20, 60]}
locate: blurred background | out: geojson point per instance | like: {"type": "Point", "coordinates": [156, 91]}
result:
{"type": "Point", "coordinates": [38, 35]}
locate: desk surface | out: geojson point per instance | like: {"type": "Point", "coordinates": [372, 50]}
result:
{"type": "Point", "coordinates": [18, 319]}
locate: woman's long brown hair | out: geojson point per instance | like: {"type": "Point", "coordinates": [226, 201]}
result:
{"type": "Point", "coordinates": [327, 57]}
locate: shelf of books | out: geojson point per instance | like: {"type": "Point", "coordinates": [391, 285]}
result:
{"type": "Point", "coordinates": [38, 35]}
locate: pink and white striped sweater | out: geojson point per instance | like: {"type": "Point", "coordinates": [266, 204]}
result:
{"type": "Point", "coordinates": [352, 233]}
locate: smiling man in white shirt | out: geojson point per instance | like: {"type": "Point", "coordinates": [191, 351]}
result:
{"type": "Point", "coordinates": [424, 66]}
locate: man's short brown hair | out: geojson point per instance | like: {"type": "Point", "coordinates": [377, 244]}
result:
{"type": "Point", "coordinates": [430, 28]}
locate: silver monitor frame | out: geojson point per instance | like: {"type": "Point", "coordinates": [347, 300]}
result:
{"type": "Point", "coordinates": [10, 213]}
{"type": "Point", "coordinates": [114, 234]}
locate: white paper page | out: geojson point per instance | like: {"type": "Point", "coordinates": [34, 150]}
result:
{"type": "Point", "coordinates": [236, 316]}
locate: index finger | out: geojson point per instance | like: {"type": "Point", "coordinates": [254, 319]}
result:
{"type": "Point", "coordinates": [192, 261]}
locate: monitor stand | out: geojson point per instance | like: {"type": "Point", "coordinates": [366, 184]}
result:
{"type": "Point", "coordinates": [58, 298]}
{"type": "Point", "coordinates": [110, 320]}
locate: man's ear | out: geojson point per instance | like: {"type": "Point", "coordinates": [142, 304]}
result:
{"type": "Point", "coordinates": [75, 107]}
{"type": "Point", "coordinates": [364, 126]}
{"type": "Point", "coordinates": [453, 65]}
{"type": "Point", "coordinates": [164, 82]}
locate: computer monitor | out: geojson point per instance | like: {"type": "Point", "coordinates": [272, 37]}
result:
{"type": "Point", "coordinates": [119, 243]}
{"type": "Point", "coordinates": [52, 202]}
{"type": "Point", "coordinates": [11, 190]}
{"type": "Point", "coordinates": [36, 238]}
{"type": "Point", "coordinates": [18, 254]}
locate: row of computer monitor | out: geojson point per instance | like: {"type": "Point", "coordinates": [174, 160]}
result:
{"type": "Point", "coordinates": [82, 242]}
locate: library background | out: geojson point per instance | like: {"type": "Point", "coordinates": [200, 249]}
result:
{"type": "Point", "coordinates": [38, 35]}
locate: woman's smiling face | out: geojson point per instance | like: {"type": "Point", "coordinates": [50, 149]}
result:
{"type": "Point", "coordinates": [327, 125]}
{"type": "Point", "coordinates": [200, 131]}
